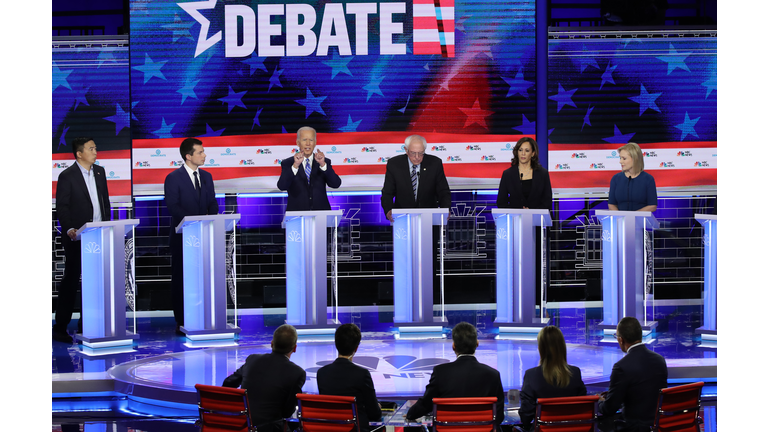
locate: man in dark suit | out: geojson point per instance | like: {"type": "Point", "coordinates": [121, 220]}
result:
{"type": "Point", "coordinates": [415, 180]}
{"type": "Point", "coordinates": [344, 378]}
{"type": "Point", "coordinates": [306, 174]}
{"type": "Point", "coordinates": [188, 192]}
{"type": "Point", "coordinates": [636, 380]}
{"type": "Point", "coordinates": [271, 380]}
{"type": "Point", "coordinates": [81, 196]}
{"type": "Point", "coordinates": [465, 377]}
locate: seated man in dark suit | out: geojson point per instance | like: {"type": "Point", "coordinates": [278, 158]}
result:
{"type": "Point", "coordinates": [344, 378]}
{"type": "Point", "coordinates": [635, 380]}
{"type": "Point", "coordinates": [305, 175]}
{"type": "Point", "coordinates": [272, 381]}
{"type": "Point", "coordinates": [465, 377]}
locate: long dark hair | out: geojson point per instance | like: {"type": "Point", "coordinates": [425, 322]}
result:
{"type": "Point", "coordinates": [553, 358]}
{"type": "Point", "coordinates": [534, 147]}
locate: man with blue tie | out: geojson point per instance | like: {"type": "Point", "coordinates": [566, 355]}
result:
{"type": "Point", "coordinates": [305, 175]}
{"type": "Point", "coordinates": [188, 192]}
{"type": "Point", "coordinates": [81, 196]}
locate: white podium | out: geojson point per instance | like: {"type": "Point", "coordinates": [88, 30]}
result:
{"type": "Point", "coordinates": [102, 248]}
{"type": "Point", "coordinates": [709, 330]}
{"type": "Point", "coordinates": [516, 270]}
{"type": "Point", "coordinates": [306, 273]}
{"type": "Point", "coordinates": [626, 262]}
{"type": "Point", "coordinates": [412, 250]}
{"type": "Point", "coordinates": [205, 285]}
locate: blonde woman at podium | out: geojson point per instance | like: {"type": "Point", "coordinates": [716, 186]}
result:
{"type": "Point", "coordinates": [632, 189]}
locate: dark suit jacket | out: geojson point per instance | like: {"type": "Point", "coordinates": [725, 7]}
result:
{"type": "Point", "coordinates": [535, 386]}
{"type": "Point", "coordinates": [182, 199]}
{"type": "Point", "coordinates": [465, 377]}
{"type": "Point", "coordinates": [433, 189]}
{"type": "Point", "coordinates": [272, 381]}
{"type": "Point", "coordinates": [303, 195]}
{"type": "Point", "coordinates": [73, 203]}
{"type": "Point", "coordinates": [635, 383]}
{"type": "Point", "coordinates": [344, 378]}
{"type": "Point", "coordinates": [511, 190]}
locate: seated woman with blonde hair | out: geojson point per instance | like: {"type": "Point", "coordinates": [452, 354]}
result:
{"type": "Point", "coordinates": [554, 377]}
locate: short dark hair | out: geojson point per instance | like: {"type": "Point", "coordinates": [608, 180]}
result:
{"type": "Point", "coordinates": [284, 339]}
{"type": "Point", "coordinates": [188, 147]}
{"type": "Point", "coordinates": [78, 144]}
{"type": "Point", "coordinates": [347, 339]}
{"type": "Point", "coordinates": [630, 330]}
{"type": "Point", "coordinates": [464, 337]}
{"type": "Point", "coordinates": [534, 147]}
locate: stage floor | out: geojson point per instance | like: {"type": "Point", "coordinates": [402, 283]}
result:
{"type": "Point", "coordinates": [157, 377]}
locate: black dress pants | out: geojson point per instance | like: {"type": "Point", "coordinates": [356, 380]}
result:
{"type": "Point", "coordinates": [70, 283]}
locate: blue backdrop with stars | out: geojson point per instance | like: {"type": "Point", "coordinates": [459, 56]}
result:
{"type": "Point", "coordinates": [176, 94]}
{"type": "Point", "coordinates": [644, 90]}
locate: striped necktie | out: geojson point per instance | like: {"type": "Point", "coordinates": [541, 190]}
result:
{"type": "Point", "coordinates": [307, 168]}
{"type": "Point", "coordinates": [414, 179]}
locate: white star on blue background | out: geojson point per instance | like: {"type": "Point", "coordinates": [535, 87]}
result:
{"type": "Point", "coordinates": [150, 68]}
{"type": "Point", "coordinates": [188, 90]}
{"type": "Point", "coordinates": [165, 130]}
{"type": "Point", "coordinates": [254, 63]}
{"type": "Point", "coordinates": [121, 119]}
{"type": "Point", "coordinates": [646, 100]}
{"type": "Point", "coordinates": [338, 64]}
{"type": "Point", "coordinates": [351, 126]}
{"type": "Point", "coordinates": [618, 137]}
{"type": "Point", "coordinates": [687, 127]}
{"type": "Point", "coordinates": [312, 103]}
{"type": "Point", "coordinates": [563, 97]}
{"type": "Point", "coordinates": [233, 99]}
{"type": "Point", "coordinates": [608, 75]}
{"type": "Point", "coordinates": [710, 84]}
{"type": "Point", "coordinates": [59, 77]}
{"type": "Point", "coordinates": [675, 60]}
{"type": "Point", "coordinates": [586, 117]}
{"type": "Point", "coordinates": [373, 87]}
{"type": "Point", "coordinates": [518, 85]}
{"type": "Point", "coordinates": [275, 79]}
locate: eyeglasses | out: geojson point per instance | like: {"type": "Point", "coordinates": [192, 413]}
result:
{"type": "Point", "coordinates": [616, 336]}
{"type": "Point", "coordinates": [417, 154]}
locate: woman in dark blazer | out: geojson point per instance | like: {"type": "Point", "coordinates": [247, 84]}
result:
{"type": "Point", "coordinates": [526, 183]}
{"type": "Point", "coordinates": [554, 377]}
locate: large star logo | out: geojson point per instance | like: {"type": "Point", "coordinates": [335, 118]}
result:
{"type": "Point", "coordinates": [518, 85]}
{"type": "Point", "coordinates": [338, 64]}
{"type": "Point", "coordinates": [476, 115]}
{"type": "Point", "coordinates": [233, 99]}
{"type": "Point", "coordinates": [60, 78]}
{"type": "Point", "coordinates": [675, 60]}
{"type": "Point", "coordinates": [618, 137]}
{"type": "Point", "coordinates": [687, 127]}
{"type": "Point", "coordinates": [151, 68]}
{"type": "Point", "coordinates": [527, 128]}
{"type": "Point", "coordinates": [188, 90]}
{"type": "Point", "coordinates": [312, 103]}
{"type": "Point", "coordinates": [193, 9]}
{"type": "Point", "coordinates": [373, 87]}
{"type": "Point", "coordinates": [80, 96]}
{"type": "Point", "coordinates": [563, 97]}
{"type": "Point", "coordinates": [646, 100]}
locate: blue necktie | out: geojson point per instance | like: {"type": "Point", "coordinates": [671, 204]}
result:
{"type": "Point", "coordinates": [307, 169]}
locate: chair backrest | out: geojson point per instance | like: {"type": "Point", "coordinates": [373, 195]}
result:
{"type": "Point", "coordinates": [566, 414]}
{"type": "Point", "coordinates": [471, 414]}
{"type": "Point", "coordinates": [678, 408]}
{"type": "Point", "coordinates": [223, 409]}
{"type": "Point", "coordinates": [322, 413]}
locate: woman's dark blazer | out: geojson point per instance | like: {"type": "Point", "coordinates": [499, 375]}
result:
{"type": "Point", "coordinates": [535, 387]}
{"type": "Point", "coordinates": [511, 190]}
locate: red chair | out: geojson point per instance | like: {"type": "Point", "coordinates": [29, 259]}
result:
{"type": "Point", "coordinates": [321, 413]}
{"type": "Point", "coordinates": [223, 409]}
{"type": "Point", "coordinates": [678, 409]}
{"type": "Point", "coordinates": [566, 414]}
{"type": "Point", "coordinates": [471, 414]}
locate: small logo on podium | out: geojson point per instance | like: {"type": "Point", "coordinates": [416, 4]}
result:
{"type": "Point", "coordinates": [92, 248]}
{"type": "Point", "coordinates": [706, 239]}
{"type": "Point", "coordinates": [501, 234]}
{"type": "Point", "coordinates": [193, 241]}
{"type": "Point", "coordinates": [401, 234]}
{"type": "Point", "coordinates": [606, 235]}
{"type": "Point", "coordinates": [294, 236]}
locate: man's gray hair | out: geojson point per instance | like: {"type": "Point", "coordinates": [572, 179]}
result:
{"type": "Point", "coordinates": [303, 128]}
{"type": "Point", "coordinates": [410, 138]}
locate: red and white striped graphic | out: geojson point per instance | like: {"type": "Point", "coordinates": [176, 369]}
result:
{"type": "Point", "coordinates": [433, 27]}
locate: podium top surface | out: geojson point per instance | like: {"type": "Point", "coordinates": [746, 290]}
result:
{"type": "Point", "coordinates": [206, 218]}
{"type": "Point", "coordinates": [435, 213]}
{"type": "Point", "coordinates": [328, 214]}
{"type": "Point", "coordinates": [90, 226]}
{"type": "Point", "coordinates": [705, 217]}
{"type": "Point", "coordinates": [498, 212]}
{"type": "Point", "coordinates": [623, 213]}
